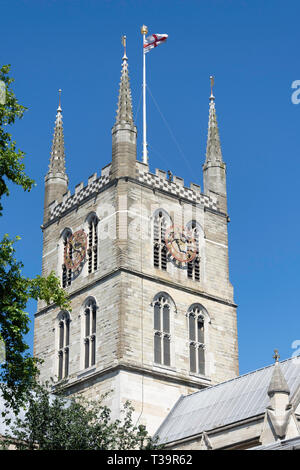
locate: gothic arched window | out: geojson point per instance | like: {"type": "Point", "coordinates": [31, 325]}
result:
{"type": "Point", "coordinates": [90, 313]}
{"type": "Point", "coordinates": [66, 276]}
{"type": "Point", "coordinates": [162, 333]}
{"type": "Point", "coordinates": [159, 244]}
{"type": "Point", "coordinates": [193, 268]}
{"type": "Point", "coordinates": [196, 316]}
{"type": "Point", "coordinates": [92, 251]}
{"type": "Point", "coordinates": [63, 345]}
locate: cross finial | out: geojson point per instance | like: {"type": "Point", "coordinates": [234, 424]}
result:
{"type": "Point", "coordinates": [276, 355]}
{"type": "Point", "coordinates": [212, 81]}
{"type": "Point", "coordinates": [124, 45]}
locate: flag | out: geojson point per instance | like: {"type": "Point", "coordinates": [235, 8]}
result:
{"type": "Point", "coordinates": [153, 41]}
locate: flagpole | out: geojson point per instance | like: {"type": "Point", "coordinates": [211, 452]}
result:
{"type": "Point", "coordinates": [144, 31]}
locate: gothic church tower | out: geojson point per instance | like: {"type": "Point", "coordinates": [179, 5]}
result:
{"type": "Point", "coordinates": [145, 262]}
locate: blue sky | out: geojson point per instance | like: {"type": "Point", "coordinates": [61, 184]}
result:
{"type": "Point", "coordinates": [251, 47]}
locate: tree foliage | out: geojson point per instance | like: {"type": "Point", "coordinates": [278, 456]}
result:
{"type": "Point", "coordinates": [18, 371]}
{"type": "Point", "coordinates": [12, 167]}
{"type": "Point", "coordinates": [52, 422]}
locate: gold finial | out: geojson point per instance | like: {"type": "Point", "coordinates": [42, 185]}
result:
{"type": "Point", "coordinates": [276, 355]}
{"type": "Point", "coordinates": [59, 98]}
{"type": "Point", "coordinates": [212, 81]}
{"type": "Point", "coordinates": [123, 40]}
{"type": "Point", "coordinates": [144, 29]}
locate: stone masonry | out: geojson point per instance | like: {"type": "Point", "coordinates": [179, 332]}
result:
{"type": "Point", "coordinates": [125, 199]}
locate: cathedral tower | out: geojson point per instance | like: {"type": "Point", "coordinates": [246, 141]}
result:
{"type": "Point", "coordinates": [145, 262]}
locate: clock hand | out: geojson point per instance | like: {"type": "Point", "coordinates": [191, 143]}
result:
{"type": "Point", "coordinates": [178, 244]}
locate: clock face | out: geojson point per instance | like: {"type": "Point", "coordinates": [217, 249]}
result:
{"type": "Point", "coordinates": [75, 250]}
{"type": "Point", "coordinates": [181, 243]}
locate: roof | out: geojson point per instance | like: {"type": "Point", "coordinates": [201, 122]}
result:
{"type": "Point", "coordinates": [237, 399]}
{"type": "Point", "coordinates": [286, 444]}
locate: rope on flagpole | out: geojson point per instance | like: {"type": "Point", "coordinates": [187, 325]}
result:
{"type": "Point", "coordinates": [138, 106]}
{"type": "Point", "coordinates": [170, 130]}
{"type": "Point", "coordinates": [159, 154]}
{"type": "Point", "coordinates": [144, 31]}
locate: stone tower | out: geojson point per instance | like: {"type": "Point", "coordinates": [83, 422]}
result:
{"type": "Point", "coordinates": [145, 261]}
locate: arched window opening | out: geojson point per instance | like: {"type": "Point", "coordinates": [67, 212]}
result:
{"type": "Point", "coordinates": [66, 271]}
{"type": "Point", "coordinates": [90, 334]}
{"type": "Point", "coordinates": [92, 251]}
{"type": "Point", "coordinates": [159, 243]}
{"type": "Point", "coordinates": [63, 345]}
{"type": "Point", "coordinates": [197, 339]}
{"type": "Point", "coordinates": [193, 267]}
{"type": "Point", "coordinates": [162, 337]}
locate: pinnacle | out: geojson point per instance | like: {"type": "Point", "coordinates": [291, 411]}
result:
{"type": "Point", "coordinates": [213, 148]}
{"type": "Point", "coordinates": [278, 382]}
{"type": "Point", "coordinates": [124, 110]}
{"type": "Point", "coordinates": [57, 157]}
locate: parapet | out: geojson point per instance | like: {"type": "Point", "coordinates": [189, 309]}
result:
{"type": "Point", "coordinates": [81, 193]}
{"type": "Point", "coordinates": [161, 180]}
{"type": "Point", "coordinates": [173, 184]}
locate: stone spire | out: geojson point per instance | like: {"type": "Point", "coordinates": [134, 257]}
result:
{"type": "Point", "coordinates": [214, 169]}
{"type": "Point", "coordinates": [213, 147]}
{"type": "Point", "coordinates": [278, 383]}
{"type": "Point", "coordinates": [124, 131]}
{"type": "Point", "coordinates": [56, 180]}
{"type": "Point", "coordinates": [124, 110]}
{"type": "Point", "coordinates": [57, 157]}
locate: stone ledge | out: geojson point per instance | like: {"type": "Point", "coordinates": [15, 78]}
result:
{"type": "Point", "coordinates": [149, 277]}
{"type": "Point", "coordinates": [124, 366]}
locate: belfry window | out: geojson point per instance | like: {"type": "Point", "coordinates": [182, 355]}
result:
{"type": "Point", "coordinates": [162, 337]}
{"type": "Point", "coordinates": [66, 277]}
{"type": "Point", "coordinates": [63, 345]}
{"type": "Point", "coordinates": [90, 334]}
{"type": "Point", "coordinates": [159, 244]}
{"type": "Point", "coordinates": [196, 340]}
{"type": "Point", "coordinates": [193, 268]}
{"type": "Point", "coordinates": [92, 252]}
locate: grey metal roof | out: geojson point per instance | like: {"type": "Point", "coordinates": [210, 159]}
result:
{"type": "Point", "coordinates": [228, 402]}
{"type": "Point", "coordinates": [286, 444]}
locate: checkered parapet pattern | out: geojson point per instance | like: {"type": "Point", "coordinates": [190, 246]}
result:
{"type": "Point", "coordinates": [155, 181]}
{"type": "Point", "coordinates": [158, 182]}
{"type": "Point", "coordinates": [81, 193]}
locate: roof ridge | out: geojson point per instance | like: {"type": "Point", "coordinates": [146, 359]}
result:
{"type": "Point", "coordinates": [240, 376]}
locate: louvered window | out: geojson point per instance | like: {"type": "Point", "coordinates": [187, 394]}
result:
{"type": "Point", "coordinates": [193, 268]}
{"type": "Point", "coordinates": [92, 252]}
{"type": "Point", "coordinates": [196, 340]}
{"type": "Point", "coordinates": [162, 336]}
{"type": "Point", "coordinates": [90, 334]}
{"type": "Point", "coordinates": [63, 346]}
{"type": "Point", "coordinates": [66, 271]}
{"type": "Point", "coordinates": [159, 244]}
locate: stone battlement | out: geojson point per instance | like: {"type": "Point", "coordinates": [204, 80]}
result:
{"type": "Point", "coordinates": [160, 180]}
{"type": "Point", "coordinates": [81, 193]}
{"type": "Point", "coordinates": [174, 185]}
